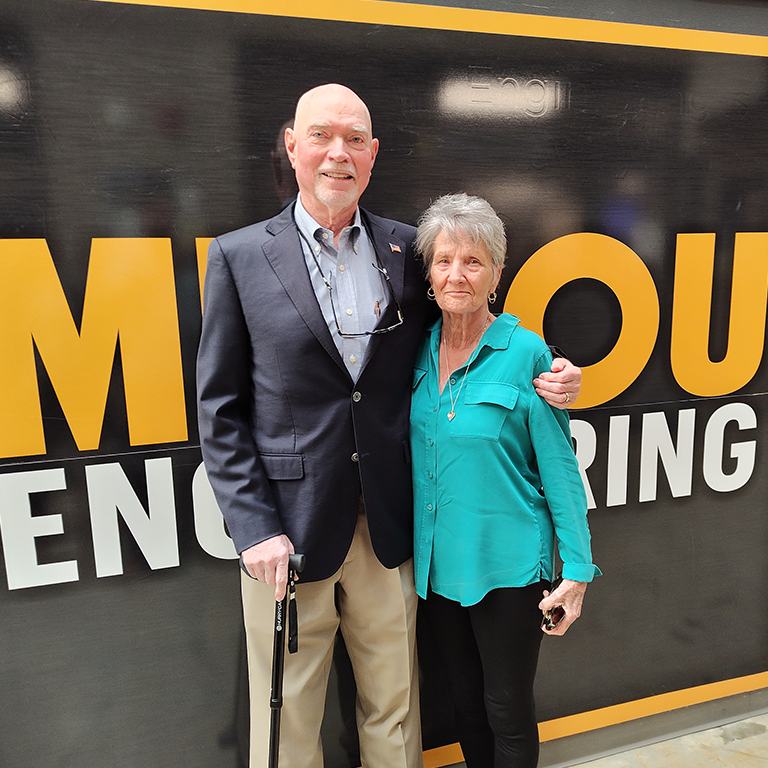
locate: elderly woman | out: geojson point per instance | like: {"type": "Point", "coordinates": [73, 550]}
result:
{"type": "Point", "coordinates": [495, 483]}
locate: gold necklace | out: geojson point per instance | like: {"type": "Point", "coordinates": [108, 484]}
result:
{"type": "Point", "coordinates": [444, 345]}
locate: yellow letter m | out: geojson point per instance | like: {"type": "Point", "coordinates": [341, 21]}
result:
{"type": "Point", "coordinates": [130, 297]}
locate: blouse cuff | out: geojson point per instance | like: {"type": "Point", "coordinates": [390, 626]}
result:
{"type": "Point", "coordinates": [580, 571]}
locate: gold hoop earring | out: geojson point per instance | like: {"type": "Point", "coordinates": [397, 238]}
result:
{"type": "Point", "coordinates": [431, 293]}
{"type": "Point", "coordinates": [492, 297]}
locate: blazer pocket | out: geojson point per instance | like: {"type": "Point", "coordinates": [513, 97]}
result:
{"type": "Point", "coordinates": [283, 466]}
{"type": "Point", "coordinates": [484, 409]}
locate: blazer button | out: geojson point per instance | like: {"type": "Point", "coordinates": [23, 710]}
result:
{"type": "Point", "coordinates": [357, 397]}
{"type": "Point", "coordinates": [355, 457]}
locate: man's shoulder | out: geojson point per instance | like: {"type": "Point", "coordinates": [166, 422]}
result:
{"type": "Point", "coordinates": [257, 232]}
{"type": "Point", "coordinates": [405, 231]}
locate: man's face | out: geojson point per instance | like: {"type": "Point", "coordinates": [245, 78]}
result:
{"type": "Point", "coordinates": [331, 148]}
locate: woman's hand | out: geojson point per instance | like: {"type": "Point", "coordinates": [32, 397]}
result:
{"type": "Point", "coordinates": [569, 595]}
{"type": "Point", "coordinates": [560, 388]}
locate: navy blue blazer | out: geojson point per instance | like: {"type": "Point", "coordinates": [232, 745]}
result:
{"type": "Point", "coordinates": [289, 440]}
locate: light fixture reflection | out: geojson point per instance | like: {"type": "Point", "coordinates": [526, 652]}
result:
{"type": "Point", "coordinates": [502, 97]}
{"type": "Point", "coordinates": [13, 91]}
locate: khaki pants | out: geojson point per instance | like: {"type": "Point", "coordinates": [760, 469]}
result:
{"type": "Point", "coordinates": [376, 610]}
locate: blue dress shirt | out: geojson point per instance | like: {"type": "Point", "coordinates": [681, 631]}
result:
{"type": "Point", "coordinates": [359, 295]}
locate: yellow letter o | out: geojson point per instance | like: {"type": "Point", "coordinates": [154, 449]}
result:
{"type": "Point", "coordinates": [588, 255]}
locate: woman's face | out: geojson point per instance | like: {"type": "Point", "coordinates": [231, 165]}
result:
{"type": "Point", "coordinates": [462, 275]}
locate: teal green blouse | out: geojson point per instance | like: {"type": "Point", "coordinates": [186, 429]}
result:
{"type": "Point", "coordinates": [496, 485]}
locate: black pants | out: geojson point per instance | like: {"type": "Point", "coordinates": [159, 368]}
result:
{"type": "Point", "coordinates": [490, 651]}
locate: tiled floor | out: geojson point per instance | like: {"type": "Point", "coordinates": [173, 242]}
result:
{"type": "Point", "coordinates": [738, 745]}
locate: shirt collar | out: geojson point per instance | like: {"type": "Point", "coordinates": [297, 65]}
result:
{"type": "Point", "coordinates": [309, 226]}
{"type": "Point", "coordinates": [497, 336]}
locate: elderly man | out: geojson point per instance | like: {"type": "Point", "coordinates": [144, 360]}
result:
{"type": "Point", "coordinates": [312, 321]}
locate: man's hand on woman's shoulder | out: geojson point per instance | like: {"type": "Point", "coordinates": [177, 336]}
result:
{"type": "Point", "coordinates": [561, 386]}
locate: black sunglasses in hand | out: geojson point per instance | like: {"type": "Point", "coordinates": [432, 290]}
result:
{"type": "Point", "coordinates": [554, 616]}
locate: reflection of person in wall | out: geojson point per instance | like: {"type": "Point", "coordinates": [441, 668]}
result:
{"type": "Point", "coordinates": [282, 173]}
{"type": "Point", "coordinates": [495, 483]}
{"type": "Point", "coordinates": [311, 325]}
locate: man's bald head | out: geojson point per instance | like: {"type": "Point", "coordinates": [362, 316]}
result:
{"type": "Point", "coordinates": [332, 150]}
{"type": "Point", "coordinates": [331, 93]}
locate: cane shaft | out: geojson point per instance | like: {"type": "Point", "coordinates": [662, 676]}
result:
{"type": "Point", "coordinates": [276, 690]}
{"type": "Point", "coordinates": [295, 565]}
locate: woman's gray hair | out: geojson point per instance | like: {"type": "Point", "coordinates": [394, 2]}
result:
{"type": "Point", "coordinates": [461, 216]}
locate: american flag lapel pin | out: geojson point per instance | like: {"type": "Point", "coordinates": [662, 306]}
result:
{"type": "Point", "coordinates": [395, 248]}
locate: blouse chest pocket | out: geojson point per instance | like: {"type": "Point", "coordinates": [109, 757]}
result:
{"type": "Point", "coordinates": [484, 409]}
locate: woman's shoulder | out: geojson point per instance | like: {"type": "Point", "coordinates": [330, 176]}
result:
{"type": "Point", "coordinates": [425, 346]}
{"type": "Point", "coordinates": [523, 339]}
{"type": "Point", "coordinates": [526, 354]}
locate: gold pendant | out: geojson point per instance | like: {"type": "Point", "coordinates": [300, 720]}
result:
{"type": "Point", "coordinates": [451, 414]}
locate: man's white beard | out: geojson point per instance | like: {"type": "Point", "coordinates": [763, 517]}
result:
{"type": "Point", "coordinates": [335, 198]}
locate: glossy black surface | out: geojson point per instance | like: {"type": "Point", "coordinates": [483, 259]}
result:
{"type": "Point", "coordinates": [746, 17]}
{"type": "Point", "coordinates": [130, 121]}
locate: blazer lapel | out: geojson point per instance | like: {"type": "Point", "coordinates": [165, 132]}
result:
{"type": "Point", "coordinates": [285, 254]}
{"type": "Point", "coordinates": [391, 251]}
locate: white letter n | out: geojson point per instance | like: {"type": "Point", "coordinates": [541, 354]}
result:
{"type": "Point", "coordinates": [110, 492]}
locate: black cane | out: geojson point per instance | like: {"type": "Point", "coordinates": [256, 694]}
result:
{"type": "Point", "coordinates": [284, 609]}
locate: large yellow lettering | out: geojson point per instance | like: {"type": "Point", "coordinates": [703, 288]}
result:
{"type": "Point", "coordinates": [130, 296]}
{"type": "Point", "coordinates": [588, 255]}
{"type": "Point", "coordinates": [201, 246]}
{"type": "Point", "coordinates": [691, 311]}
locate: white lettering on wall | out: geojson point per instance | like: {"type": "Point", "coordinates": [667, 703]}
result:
{"type": "Point", "coordinates": [586, 449]}
{"type": "Point", "coordinates": [744, 453]}
{"type": "Point", "coordinates": [209, 524]}
{"type": "Point", "coordinates": [618, 458]}
{"type": "Point", "coordinates": [656, 443]}
{"type": "Point", "coordinates": [110, 493]}
{"type": "Point", "coordinates": [19, 529]}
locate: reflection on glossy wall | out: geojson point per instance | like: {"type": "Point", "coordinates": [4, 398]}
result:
{"type": "Point", "coordinates": [121, 121]}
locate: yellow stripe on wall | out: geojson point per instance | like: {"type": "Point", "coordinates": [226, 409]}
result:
{"type": "Point", "coordinates": [442, 756]}
{"type": "Point", "coordinates": [620, 713]}
{"type": "Point", "coordinates": [654, 705]}
{"type": "Point", "coordinates": [489, 22]}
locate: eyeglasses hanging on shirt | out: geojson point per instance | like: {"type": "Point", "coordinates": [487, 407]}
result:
{"type": "Point", "coordinates": [380, 268]}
